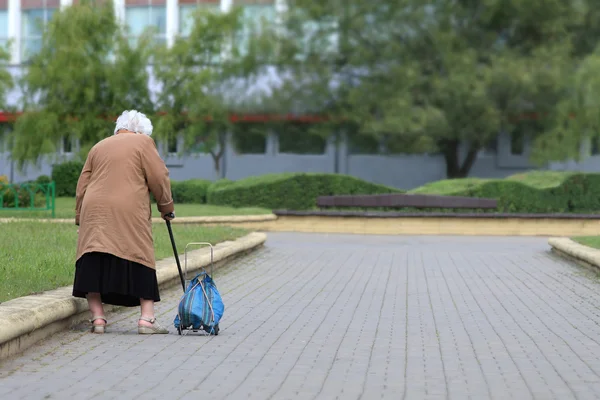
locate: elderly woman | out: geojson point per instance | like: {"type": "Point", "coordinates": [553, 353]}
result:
{"type": "Point", "coordinates": [115, 250]}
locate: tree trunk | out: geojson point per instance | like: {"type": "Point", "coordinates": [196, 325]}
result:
{"type": "Point", "coordinates": [216, 156]}
{"type": "Point", "coordinates": [217, 160]}
{"type": "Point", "coordinates": [454, 167]}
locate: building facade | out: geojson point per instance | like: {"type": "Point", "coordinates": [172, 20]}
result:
{"type": "Point", "coordinates": [19, 25]}
{"type": "Point", "coordinates": [21, 20]}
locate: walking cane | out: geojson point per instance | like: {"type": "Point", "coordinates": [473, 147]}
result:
{"type": "Point", "coordinates": [171, 215]}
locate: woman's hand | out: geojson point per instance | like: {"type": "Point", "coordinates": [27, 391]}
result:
{"type": "Point", "coordinates": [168, 216]}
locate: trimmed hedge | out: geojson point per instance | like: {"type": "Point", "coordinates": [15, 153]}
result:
{"type": "Point", "coordinates": [190, 191]}
{"type": "Point", "coordinates": [536, 192]}
{"type": "Point", "coordinates": [532, 192]}
{"type": "Point", "coordinates": [290, 191]}
{"type": "Point", "coordinates": [221, 183]}
{"type": "Point", "coordinates": [195, 191]}
{"type": "Point", "coordinates": [535, 179]}
{"type": "Point", "coordinates": [65, 176]}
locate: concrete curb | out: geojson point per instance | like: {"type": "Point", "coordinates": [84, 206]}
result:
{"type": "Point", "coordinates": [26, 320]}
{"type": "Point", "coordinates": [179, 220]}
{"type": "Point", "coordinates": [400, 225]}
{"type": "Point", "coordinates": [571, 250]}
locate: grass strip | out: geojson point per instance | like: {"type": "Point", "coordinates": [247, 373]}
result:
{"type": "Point", "coordinates": [590, 241]}
{"type": "Point", "coordinates": [65, 208]}
{"type": "Point", "coordinates": [35, 256]}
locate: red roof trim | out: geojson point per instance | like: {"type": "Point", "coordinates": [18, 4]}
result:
{"type": "Point", "coordinates": [235, 118]}
{"type": "Point", "coordinates": [254, 118]}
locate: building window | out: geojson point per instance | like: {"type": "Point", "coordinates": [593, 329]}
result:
{"type": "Point", "coordinates": [3, 23]}
{"type": "Point", "coordinates": [517, 143]}
{"type": "Point", "coordinates": [249, 138]}
{"type": "Point", "coordinates": [364, 144]}
{"type": "Point", "coordinates": [318, 37]}
{"type": "Point", "coordinates": [254, 13]}
{"type": "Point", "coordinates": [35, 15]}
{"type": "Point", "coordinates": [297, 138]}
{"type": "Point", "coordinates": [143, 14]}
{"type": "Point", "coordinates": [173, 145]}
{"type": "Point", "coordinates": [490, 148]}
{"type": "Point", "coordinates": [198, 145]}
{"type": "Point", "coordinates": [95, 2]}
{"type": "Point", "coordinates": [397, 143]}
{"type": "Point", "coordinates": [187, 9]}
{"type": "Point", "coordinates": [67, 145]}
{"type": "Point", "coordinates": [5, 129]}
{"type": "Point", "coordinates": [595, 144]}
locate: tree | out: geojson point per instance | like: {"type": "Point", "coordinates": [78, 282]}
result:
{"type": "Point", "coordinates": [200, 76]}
{"type": "Point", "coordinates": [6, 84]}
{"type": "Point", "coordinates": [84, 76]}
{"type": "Point", "coordinates": [6, 79]}
{"type": "Point", "coordinates": [438, 76]}
{"type": "Point", "coordinates": [576, 118]}
{"type": "Point", "coordinates": [481, 68]}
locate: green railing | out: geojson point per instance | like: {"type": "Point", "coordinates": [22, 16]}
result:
{"type": "Point", "coordinates": [29, 196]}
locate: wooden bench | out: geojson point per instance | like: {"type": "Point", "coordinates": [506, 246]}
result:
{"type": "Point", "coordinates": [405, 200]}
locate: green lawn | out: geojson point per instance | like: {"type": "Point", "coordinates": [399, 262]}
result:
{"type": "Point", "coordinates": [36, 256]}
{"type": "Point", "coordinates": [591, 241]}
{"type": "Point", "coordinates": [65, 208]}
{"type": "Point", "coordinates": [535, 179]}
{"type": "Point", "coordinates": [448, 186]}
{"type": "Point", "coordinates": [542, 179]}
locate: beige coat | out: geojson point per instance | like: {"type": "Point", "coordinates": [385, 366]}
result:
{"type": "Point", "coordinates": [112, 205]}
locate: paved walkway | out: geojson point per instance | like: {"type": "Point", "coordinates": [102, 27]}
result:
{"type": "Point", "coordinates": [333, 316]}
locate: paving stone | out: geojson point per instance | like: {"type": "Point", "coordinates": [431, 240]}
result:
{"type": "Point", "coordinates": [349, 316]}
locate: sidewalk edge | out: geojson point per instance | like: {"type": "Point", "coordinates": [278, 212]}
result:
{"type": "Point", "coordinates": [583, 255]}
{"type": "Point", "coordinates": [26, 320]}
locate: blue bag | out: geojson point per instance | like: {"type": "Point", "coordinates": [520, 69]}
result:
{"type": "Point", "coordinates": [201, 306]}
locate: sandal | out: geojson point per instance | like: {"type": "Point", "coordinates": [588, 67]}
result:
{"type": "Point", "coordinates": [156, 328]}
{"type": "Point", "coordinates": [98, 328]}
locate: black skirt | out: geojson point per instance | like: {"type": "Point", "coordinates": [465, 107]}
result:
{"type": "Point", "coordinates": [120, 282]}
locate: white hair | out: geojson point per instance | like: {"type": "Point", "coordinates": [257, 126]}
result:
{"type": "Point", "coordinates": [134, 121]}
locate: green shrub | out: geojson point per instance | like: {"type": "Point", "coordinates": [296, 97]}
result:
{"type": "Point", "coordinates": [221, 183]}
{"type": "Point", "coordinates": [7, 195]}
{"type": "Point", "coordinates": [216, 185]}
{"type": "Point", "coordinates": [190, 191]}
{"type": "Point", "coordinates": [23, 193]}
{"type": "Point", "coordinates": [534, 192]}
{"type": "Point", "coordinates": [65, 176]}
{"type": "Point", "coordinates": [43, 179]}
{"type": "Point", "coordinates": [517, 197]}
{"type": "Point", "coordinates": [291, 191]}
